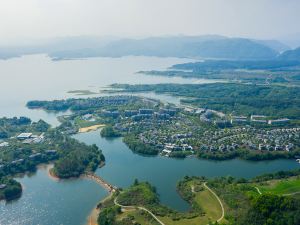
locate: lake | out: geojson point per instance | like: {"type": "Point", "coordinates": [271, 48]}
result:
{"type": "Point", "coordinates": [50, 202]}
{"type": "Point", "coordinates": [38, 77]}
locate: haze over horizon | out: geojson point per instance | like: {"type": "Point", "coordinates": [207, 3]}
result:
{"type": "Point", "coordinates": [27, 21]}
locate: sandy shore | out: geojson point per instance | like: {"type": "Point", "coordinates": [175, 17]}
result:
{"type": "Point", "coordinates": [92, 220]}
{"type": "Point", "coordinates": [51, 174]}
{"type": "Point", "coordinates": [90, 128]}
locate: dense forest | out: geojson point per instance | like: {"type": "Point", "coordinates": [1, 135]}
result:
{"type": "Point", "coordinates": [81, 104]}
{"type": "Point", "coordinates": [75, 157]}
{"type": "Point", "coordinates": [10, 189]}
{"type": "Point", "coordinates": [243, 204]}
{"type": "Point", "coordinates": [109, 131]}
{"type": "Point", "coordinates": [217, 65]}
{"type": "Point", "coordinates": [273, 101]}
{"type": "Point", "coordinates": [138, 147]}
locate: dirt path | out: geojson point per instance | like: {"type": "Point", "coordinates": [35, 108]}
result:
{"type": "Point", "coordinates": [141, 208]}
{"type": "Point", "coordinates": [294, 193]}
{"type": "Point", "coordinates": [193, 189]}
{"type": "Point", "coordinates": [259, 192]}
{"type": "Point", "coordinates": [219, 200]}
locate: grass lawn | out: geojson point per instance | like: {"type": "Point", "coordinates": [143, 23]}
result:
{"type": "Point", "coordinates": [139, 217]}
{"type": "Point", "coordinates": [85, 123]}
{"type": "Point", "coordinates": [208, 203]}
{"type": "Point", "coordinates": [287, 186]}
{"type": "Point", "coordinates": [195, 221]}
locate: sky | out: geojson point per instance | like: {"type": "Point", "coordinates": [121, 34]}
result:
{"type": "Point", "coordinates": [263, 19]}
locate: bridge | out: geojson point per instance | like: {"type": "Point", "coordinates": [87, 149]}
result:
{"type": "Point", "coordinates": [110, 188]}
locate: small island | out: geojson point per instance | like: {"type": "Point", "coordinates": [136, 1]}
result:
{"type": "Point", "coordinates": [10, 189]}
{"type": "Point", "coordinates": [263, 72]}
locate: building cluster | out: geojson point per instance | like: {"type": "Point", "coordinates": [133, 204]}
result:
{"type": "Point", "coordinates": [169, 131]}
{"type": "Point", "coordinates": [285, 139]}
{"type": "Point", "coordinates": [31, 157]}
{"type": "Point", "coordinates": [259, 119]}
{"type": "Point", "coordinates": [220, 119]}
{"type": "Point", "coordinates": [4, 144]}
{"type": "Point", "coordinates": [28, 138]}
{"type": "Point", "coordinates": [142, 114]}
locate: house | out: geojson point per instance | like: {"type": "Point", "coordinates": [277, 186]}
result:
{"type": "Point", "coordinates": [170, 147]}
{"type": "Point", "coordinates": [257, 117]}
{"type": "Point", "coordinates": [289, 147]}
{"type": "Point", "coordinates": [38, 139]}
{"type": "Point", "coordinates": [162, 116]}
{"type": "Point", "coordinates": [141, 116]}
{"type": "Point", "coordinates": [146, 111]}
{"type": "Point", "coordinates": [166, 151]}
{"type": "Point", "coordinates": [189, 109]}
{"type": "Point", "coordinates": [4, 144]}
{"type": "Point", "coordinates": [2, 186]}
{"type": "Point", "coordinates": [87, 116]}
{"type": "Point", "coordinates": [24, 136]}
{"type": "Point", "coordinates": [170, 112]}
{"type": "Point", "coordinates": [278, 121]}
{"type": "Point", "coordinates": [187, 147]}
{"type": "Point", "coordinates": [129, 113]}
{"type": "Point", "coordinates": [17, 161]}
{"type": "Point", "coordinates": [200, 110]}
{"type": "Point", "coordinates": [258, 121]}
{"type": "Point", "coordinates": [261, 147]}
{"type": "Point", "coordinates": [113, 114]}
{"type": "Point", "coordinates": [238, 119]}
{"type": "Point", "coordinates": [36, 155]}
{"type": "Point", "coordinates": [49, 152]}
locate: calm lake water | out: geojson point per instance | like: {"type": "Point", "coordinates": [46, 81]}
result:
{"type": "Point", "coordinates": [49, 202]}
{"type": "Point", "coordinates": [37, 77]}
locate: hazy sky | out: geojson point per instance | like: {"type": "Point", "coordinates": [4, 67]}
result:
{"type": "Point", "coordinates": [50, 18]}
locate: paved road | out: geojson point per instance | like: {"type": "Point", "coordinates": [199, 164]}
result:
{"type": "Point", "coordinates": [141, 208]}
{"type": "Point", "coordinates": [219, 200]}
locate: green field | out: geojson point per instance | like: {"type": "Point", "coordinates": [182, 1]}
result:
{"type": "Point", "coordinates": [282, 187]}
{"type": "Point", "coordinates": [207, 202]}
{"type": "Point", "coordinates": [85, 123]}
{"type": "Point", "coordinates": [138, 216]}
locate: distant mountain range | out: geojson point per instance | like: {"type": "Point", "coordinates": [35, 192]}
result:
{"type": "Point", "coordinates": [182, 46]}
{"type": "Point", "coordinates": [208, 46]}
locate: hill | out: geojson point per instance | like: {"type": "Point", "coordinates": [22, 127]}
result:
{"type": "Point", "coordinates": [206, 46]}
{"type": "Point", "coordinates": [274, 44]}
{"type": "Point", "coordinates": [179, 46]}
{"type": "Point", "coordinates": [291, 55]}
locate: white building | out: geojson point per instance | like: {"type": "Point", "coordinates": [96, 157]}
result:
{"type": "Point", "coordinates": [24, 136]}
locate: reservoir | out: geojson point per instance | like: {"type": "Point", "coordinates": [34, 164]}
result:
{"type": "Point", "coordinates": [50, 202]}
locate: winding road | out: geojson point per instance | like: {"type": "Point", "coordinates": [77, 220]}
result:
{"type": "Point", "coordinates": [159, 221]}
{"type": "Point", "coordinates": [111, 189]}
{"type": "Point", "coordinates": [141, 208]}
{"type": "Point", "coordinates": [219, 200]}
{"type": "Point", "coordinates": [259, 192]}
{"type": "Point", "coordinates": [288, 194]}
